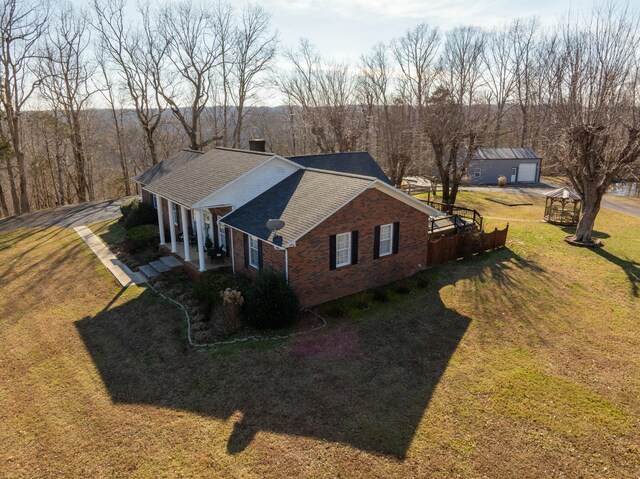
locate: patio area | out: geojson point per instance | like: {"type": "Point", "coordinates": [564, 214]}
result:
{"type": "Point", "coordinates": [193, 263]}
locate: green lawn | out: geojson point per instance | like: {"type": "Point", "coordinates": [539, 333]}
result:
{"type": "Point", "coordinates": [520, 363]}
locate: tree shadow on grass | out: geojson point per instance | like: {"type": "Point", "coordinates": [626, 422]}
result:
{"type": "Point", "coordinates": [570, 230]}
{"type": "Point", "coordinates": [363, 383]}
{"type": "Point", "coordinates": [631, 268]}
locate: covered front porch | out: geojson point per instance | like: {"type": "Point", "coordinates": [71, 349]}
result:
{"type": "Point", "coordinates": [194, 236]}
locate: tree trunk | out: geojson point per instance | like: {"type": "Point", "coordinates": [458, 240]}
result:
{"type": "Point", "coordinates": [590, 209]}
{"type": "Point", "coordinates": [4, 210]}
{"type": "Point", "coordinates": [15, 200]}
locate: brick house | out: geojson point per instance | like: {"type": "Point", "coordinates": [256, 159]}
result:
{"type": "Point", "coordinates": [344, 227]}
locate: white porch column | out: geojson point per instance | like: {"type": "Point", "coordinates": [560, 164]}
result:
{"type": "Point", "coordinates": [200, 233]}
{"type": "Point", "coordinates": [185, 233]}
{"type": "Point", "coordinates": [160, 219]}
{"type": "Point", "coordinates": [172, 227]}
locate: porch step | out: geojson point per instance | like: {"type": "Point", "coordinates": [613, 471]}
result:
{"type": "Point", "coordinates": [159, 266]}
{"type": "Point", "coordinates": [171, 261]}
{"type": "Point", "coordinates": [149, 271]}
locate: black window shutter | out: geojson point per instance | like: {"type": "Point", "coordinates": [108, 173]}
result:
{"type": "Point", "coordinates": [227, 234]}
{"type": "Point", "coordinates": [396, 236]}
{"type": "Point", "coordinates": [354, 247]}
{"type": "Point", "coordinates": [376, 242]}
{"type": "Point", "coordinates": [332, 252]}
{"type": "Point", "coordinates": [259, 254]}
{"type": "Point", "coordinates": [245, 238]}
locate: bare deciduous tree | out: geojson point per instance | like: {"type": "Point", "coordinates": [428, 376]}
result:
{"type": "Point", "coordinates": [65, 75]}
{"type": "Point", "coordinates": [326, 93]}
{"type": "Point", "coordinates": [137, 56]}
{"type": "Point", "coordinates": [22, 23]}
{"type": "Point", "coordinates": [498, 75]}
{"type": "Point", "coordinates": [252, 52]}
{"type": "Point", "coordinates": [595, 110]}
{"type": "Point", "coordinates": [456, 121]}
{"type": "Point", "coordinates": [193, 52]}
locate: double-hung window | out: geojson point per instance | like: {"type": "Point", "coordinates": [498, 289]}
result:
{"type": "Point", "coordinates": [254, 259]}
{"type": "Point", "coordinates": [386, 239]}
{"type": "Point", "coordinates": [154, 200]}
{"type": "Point", "coordinates": [343, 249]}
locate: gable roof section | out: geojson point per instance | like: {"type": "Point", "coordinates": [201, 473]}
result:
{"type": "Point", "coordinates": [357, 163]}
{"type": "Point", "coordinates": [302, 200]}
{"type": "Point", "coordinates": [503, 154]}
{"type": "Point", "coordinates": [202, 175]}
{"type": "Point", "coordinates": [165, 167]}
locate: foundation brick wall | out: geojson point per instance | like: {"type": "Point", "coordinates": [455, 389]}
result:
{"type": "Point", "coordinates": [309, 272]}
{"type": "Point", "coordinates": [271, 258]}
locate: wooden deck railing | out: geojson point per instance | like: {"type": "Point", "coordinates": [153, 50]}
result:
{"type": "Point", "coordinates": [460, 211]}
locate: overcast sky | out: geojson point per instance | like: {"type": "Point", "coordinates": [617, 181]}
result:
{"type": "Point", "coordinates": [345, 29]}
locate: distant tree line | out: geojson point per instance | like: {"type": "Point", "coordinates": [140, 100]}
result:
{"type": "Point", "coordinates": [190, 74]}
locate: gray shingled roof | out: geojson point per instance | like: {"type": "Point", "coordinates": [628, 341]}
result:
{"type": "Point", "coordinates": [301, 200]}
{"type": "Point", "coordinates": [205, 174]}
{"type": "Point", "coordinates": [503, 154]}
{"type": "Point", "coordinates": [357, 163]}
{"type": "Point", "coordinates": [166, 166]}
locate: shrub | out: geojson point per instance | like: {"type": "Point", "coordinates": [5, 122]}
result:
{"type": "Point", "coordinates": [423, 281]}
{"type": "Point", "coordinates": [335, 310]}
{"type": "Point", "coordinates": [136, 213]}
{"type": "Point", "coordinates": [209, 289]}
{"type": "Point", "coordinates": [142, 237]}
{"type": "Point", "coordinates": [381, 295]}
{"type": "Point", "coordinates": [202, 336]}
{"type": "Point", "coordinates": [270, 302]}
{"type": "Point", "coordinates": [466, 180]}
{"type": "Point", "coordinates": [402, 288]}
{"type": "Point", "coordinates": [199, 326]}
{"type": "Point", "coordinates": [363, 301]}
{"type": "Point", "coordinates": [502, 180]}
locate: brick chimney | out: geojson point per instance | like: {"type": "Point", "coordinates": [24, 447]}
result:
{"type": "Point", "coordinates": [257, 144]}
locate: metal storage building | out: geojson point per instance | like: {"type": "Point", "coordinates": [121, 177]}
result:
{"type": "Point", "coordinates": [518, 165]}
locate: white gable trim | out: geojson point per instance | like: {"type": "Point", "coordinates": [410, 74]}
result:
{"type": "Point", "coordinates": [405, 198]}
{"type": "Point", "coordinates": [207, 201]}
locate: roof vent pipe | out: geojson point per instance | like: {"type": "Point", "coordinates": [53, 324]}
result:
{"type": "Point", "coordinates": [257, 144]}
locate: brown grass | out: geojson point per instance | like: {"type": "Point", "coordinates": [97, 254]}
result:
{"type": "Point", "coordinates": [521, 363]}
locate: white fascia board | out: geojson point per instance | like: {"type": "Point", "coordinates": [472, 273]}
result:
{"type": "Point", "coordinates": [221, 222]}
{"type": "Point", "coordinates": [207, 202]}
{"type": "Point", "coordinates": [149, 190]}
{"type": "Point", "coordinates": [405, 198]}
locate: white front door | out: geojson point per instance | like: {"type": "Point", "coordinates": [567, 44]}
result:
{"type": "Point", "coordinates": [527, 172]}
{"type": "Point", "coordinates": [514, 174]}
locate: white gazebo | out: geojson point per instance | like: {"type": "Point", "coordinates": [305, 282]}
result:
{"type": "Point", "coordinates": [562, 207]}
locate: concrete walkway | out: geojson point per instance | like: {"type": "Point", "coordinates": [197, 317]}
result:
{"type": "Point", "coordinates": [122, 273]}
